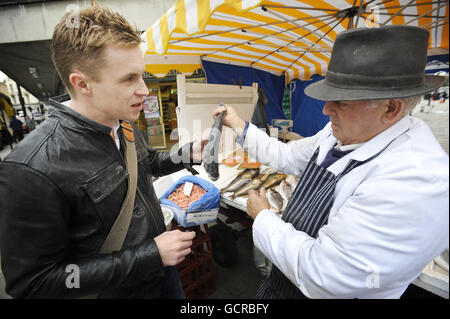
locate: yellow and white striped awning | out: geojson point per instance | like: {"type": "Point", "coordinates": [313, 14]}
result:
{"type": "Point", "coordinates": [291, 37]}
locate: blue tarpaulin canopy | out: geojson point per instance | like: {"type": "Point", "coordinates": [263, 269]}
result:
{"type": "Point", "coordinates": [220, 73]}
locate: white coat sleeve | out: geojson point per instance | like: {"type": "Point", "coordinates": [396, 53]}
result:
{"type": "Point", "coordinates": [289, 158]}
{"type": "Point", "coordinates": [374, 247]}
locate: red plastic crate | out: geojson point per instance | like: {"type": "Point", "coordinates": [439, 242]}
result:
{"type": "Point", "coordinates": [197, 270]}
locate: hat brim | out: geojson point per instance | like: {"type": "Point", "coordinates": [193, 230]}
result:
{"type": "Point", "coordinates": [322, 90]}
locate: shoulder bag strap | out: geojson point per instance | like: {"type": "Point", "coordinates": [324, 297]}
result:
{"type": "Point", "coordinates": [119, 230]}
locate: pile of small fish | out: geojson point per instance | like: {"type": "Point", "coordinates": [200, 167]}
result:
{"type": "Point", "coordinates": [278, 186]}
{"type": "Point", "coordinates": [182, 200]}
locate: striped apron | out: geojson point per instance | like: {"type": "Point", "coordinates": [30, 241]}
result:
{"type": "Point", "coordinates": [307, 210]}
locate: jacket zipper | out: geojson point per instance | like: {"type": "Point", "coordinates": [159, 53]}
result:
{"type": "Point", "coordinates": [148, 207]}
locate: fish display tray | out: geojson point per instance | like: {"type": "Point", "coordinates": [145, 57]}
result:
{"type": "Point", "coordinates": [197, 270]}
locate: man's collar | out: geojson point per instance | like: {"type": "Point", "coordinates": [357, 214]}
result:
{"type": "Point", "coordinates": [59, 104]}
{"type": "Point", "coordinates": [380, 141]}
{"type": "Point", "coordinates": [367, 149]}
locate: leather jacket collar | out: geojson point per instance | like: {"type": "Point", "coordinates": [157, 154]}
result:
{"type": "Point", "coordinates": [73, 118]}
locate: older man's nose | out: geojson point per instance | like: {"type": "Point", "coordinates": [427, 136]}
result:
{"type": "Point", "coordinates": [328, 108]}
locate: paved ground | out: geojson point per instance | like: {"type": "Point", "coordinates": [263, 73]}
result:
{"type": "Point", "coordinates": [436, 116]}
{"type": "Point", "coordinates": [242, 279]}
{"type": "Point", "coordinates": [5, 151]}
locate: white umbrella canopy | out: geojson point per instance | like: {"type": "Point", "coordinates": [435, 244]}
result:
{"type": "Point", "coordinates": [290, 37]}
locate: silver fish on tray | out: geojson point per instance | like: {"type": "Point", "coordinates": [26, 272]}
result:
{"type": "Point", "coordinates": [263, 169]}
{"type": "Point", "coordinates": [255, 183]}
{"type": "Point", "coordinates": [211, 150]}
{"type": "Point", "coordinates": [242, 179]}
{"type": "Point", "coordinates": [273, 180]}
{"type": "Point", "coordinates": [293, 180]}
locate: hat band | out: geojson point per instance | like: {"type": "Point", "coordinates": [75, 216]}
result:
{"type": "Point", "coordinates": [374, 82]}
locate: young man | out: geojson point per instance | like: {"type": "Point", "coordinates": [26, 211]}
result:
{"type": "Point", "coordinates": [371, 208]}
{"type": "Point", "coordinates": [62, 188]}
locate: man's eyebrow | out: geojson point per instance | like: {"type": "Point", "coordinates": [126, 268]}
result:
{"type": "Point", "coordinates": [131, 74]}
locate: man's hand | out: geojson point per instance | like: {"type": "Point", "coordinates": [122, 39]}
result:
{"type": "Point", "coordinates": [197, 150]}
{"type": "Point", "coordinates": [230, 119]}
{"type": "Point", "coordinates": [174, 246]}
{"type": "Point", "coordinates": [256, 202]}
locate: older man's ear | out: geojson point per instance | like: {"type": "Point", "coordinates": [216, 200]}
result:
{"type": "Point", "coordinates": [394, 111]}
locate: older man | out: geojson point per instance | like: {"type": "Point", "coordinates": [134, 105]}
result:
{"type": "Point", "coordinates": [371, 208]}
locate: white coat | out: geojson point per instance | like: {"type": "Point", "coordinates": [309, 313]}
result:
{"type": "Point", "coordinates": [388, 221]}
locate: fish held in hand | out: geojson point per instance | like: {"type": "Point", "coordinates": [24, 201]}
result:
{"type": "Point", "coordinates": [285, 190]}
{"type": "Point", "coordinates": [275, 199]}
{"type": "Point", "coordinates": [211, 151]}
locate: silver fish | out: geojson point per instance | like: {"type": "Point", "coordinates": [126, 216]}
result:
{"type": "Point", "coordinates": [255, 183]}
{"type": "Point", "coordinates": [211, 150]}
{"type": "Point", "coordinates": [275, 199]}
{"type": "Point", "coordinates": [242, 179]}
{"type": "Point", "coordinates": [273, 180]}
{"type": "Point", "coordinates": [266, 170]}
{"type": "Point", "coordinates": [293, 180]}
{"type": "Point", "coordinates": [285, 190]}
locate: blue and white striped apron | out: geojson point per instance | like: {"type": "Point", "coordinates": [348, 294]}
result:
{"type": "Point", "coordinates": [307, 210]}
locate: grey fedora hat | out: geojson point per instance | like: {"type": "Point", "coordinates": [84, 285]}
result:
{"type": "Point", "coordinates": [377, 63]}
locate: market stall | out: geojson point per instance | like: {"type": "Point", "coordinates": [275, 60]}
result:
{"type": "Point", "coordinates": [276, 43]}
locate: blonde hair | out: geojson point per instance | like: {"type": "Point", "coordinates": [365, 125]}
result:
{"type": "Point", "coordinates": [80, 38]}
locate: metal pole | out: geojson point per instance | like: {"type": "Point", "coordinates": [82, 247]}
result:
{"type": "Point", "coordinates": [359, 13]}
{"type": "Point", "coordinates": [22, 102]}
{"type": "Point", "coordinates": [350, 23]}
{"type": "Point", "coordinates": [315, 43]}
{"type": "Point", "coordinates": [303, 36]}
{"type": "Point", "coordinates": [436, 26]}
{"type": "Point", "coordinates": [432, 22]}
{"type": "Point", "coordinates": [423, 15]}
{"type": "Point", "coordinates": [414, 5]}
{"type": "Point", "coordinates": [248, 27]}
{"type": "Point", "coordinates": [265, 36]}
{"type": "Point", "coordinates": [398, 12]}
{"type": "Point", "coordinates": [350, 17]}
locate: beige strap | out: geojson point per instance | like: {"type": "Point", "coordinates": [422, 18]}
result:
{"type": "Point", "coordinates": [119, 230]}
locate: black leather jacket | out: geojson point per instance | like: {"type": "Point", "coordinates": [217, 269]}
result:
{"type": "Point", "coordinates": [61, 190]}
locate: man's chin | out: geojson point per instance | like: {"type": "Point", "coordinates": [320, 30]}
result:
{"type": "Point", "coordinates": [131, 117]}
